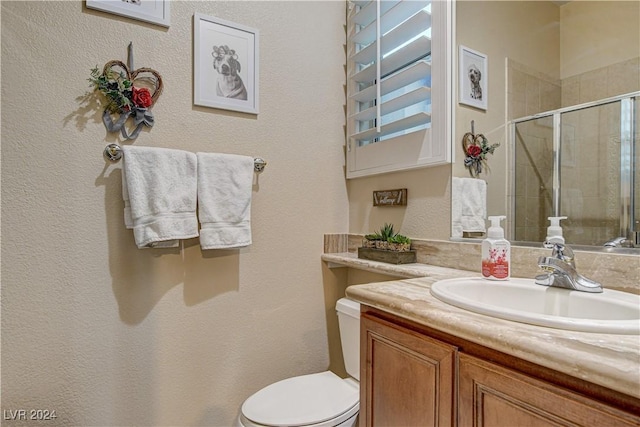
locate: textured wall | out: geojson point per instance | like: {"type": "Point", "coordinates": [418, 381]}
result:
{"type": "Point", "coordinates": [598, 33]}
{"type": "Point", "coordinates": [106, 334]}
{"type": "Point", "coordinates": [428, 210]}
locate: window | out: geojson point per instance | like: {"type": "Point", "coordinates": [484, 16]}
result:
{"type": "Point", "coordinates": [398, 82]}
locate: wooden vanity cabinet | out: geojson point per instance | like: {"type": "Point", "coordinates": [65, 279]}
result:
{"type": "Point", "coordinates": [490, 395]}
{"type": "Point", "coordinates": [406, 379]}
{"type": "Point", "coordinates": [412, 375]}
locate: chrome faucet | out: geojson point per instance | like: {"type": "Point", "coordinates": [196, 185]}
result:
{"type": "Point", "coordinates": [560, 270]}
{"type": "Point", "coordinates": [619, 242]}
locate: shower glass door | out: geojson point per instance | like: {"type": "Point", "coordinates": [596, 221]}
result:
{"type": "Point", "coordinates": [590, 147]}
{"type": "Point", "coordinates": [533, 178]}
{"type": "Point", "coordinates": [579, 162]}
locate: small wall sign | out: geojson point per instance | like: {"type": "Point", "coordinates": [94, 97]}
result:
{"type": "Point", "coordinates": [390, 197]}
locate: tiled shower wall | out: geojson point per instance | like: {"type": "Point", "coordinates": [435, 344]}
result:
{"type": "Point", "coordinates": [532, 92]}
{"type": "Point", "coordinates": [590, 170]}
{"type": "Point", "coordinates": [613, 80]}
{"type": "Point", "coordinates": [591, 147]}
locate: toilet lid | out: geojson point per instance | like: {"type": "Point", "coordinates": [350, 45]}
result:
{"type": "Point", "coordinates": [308, 399]}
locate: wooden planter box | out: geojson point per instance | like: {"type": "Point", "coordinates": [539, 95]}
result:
{"type": "Point", "coordinates": [390, 257]}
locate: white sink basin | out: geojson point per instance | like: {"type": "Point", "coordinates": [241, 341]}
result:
{"type": "Point", "coordinates": [521, 300]}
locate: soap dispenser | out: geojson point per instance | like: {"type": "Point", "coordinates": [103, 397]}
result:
{"type": "Point", "coordinates": [554, 232]}
{"type": "Point", "coordinates": [496, 252]}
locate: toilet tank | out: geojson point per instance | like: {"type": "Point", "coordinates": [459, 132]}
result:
{"type": "Point", "coordinates": [349, 322]}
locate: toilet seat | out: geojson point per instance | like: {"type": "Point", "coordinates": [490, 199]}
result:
{"type": "Point", "coordinates": [322, 399]}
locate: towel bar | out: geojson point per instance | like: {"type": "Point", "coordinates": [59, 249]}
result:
{"type": "Point", "coordinates": [113, 152]}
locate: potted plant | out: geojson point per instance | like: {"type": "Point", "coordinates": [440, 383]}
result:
{"type": "Point", "coordinates": [380, 239]}
{"type": "Point", "coordinates": [399, 243]}
{"type": "Point", "coordinates": [387, 246]}
{"type": "Point", "coordinates": [370, 240]}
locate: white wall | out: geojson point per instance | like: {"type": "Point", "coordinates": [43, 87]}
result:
{"type": "Point", "coordinates": [595, 34]}
{"type": "Point", "coordinates": [106, 334]}
{"type": "Point", "coordinates": [427, 214]}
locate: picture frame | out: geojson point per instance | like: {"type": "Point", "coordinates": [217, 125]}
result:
{"type": "Point", "coordinates": [226, 65]}
{"type": "Point", "coordinates": [473, 78]}
{"type": "Point", "coordinates": [153, 11]}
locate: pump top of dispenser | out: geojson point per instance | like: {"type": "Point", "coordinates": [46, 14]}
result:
{"type": "Point", "coordinates": [554, 231]}
{"type": "Point", "coordinates": [495, 231]}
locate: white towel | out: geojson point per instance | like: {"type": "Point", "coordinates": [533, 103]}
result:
{"type": "Point", "coordinates": [468, 205]}
{"type": "Point", "coordinates": [456, 207]}
{"type": "Point", "coordinates": [225, 182]}
{"type": "Point", "coordinates": [159, 187]}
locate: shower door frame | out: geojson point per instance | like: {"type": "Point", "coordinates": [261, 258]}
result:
{"type": "Point", "coordinates": [629, 225]}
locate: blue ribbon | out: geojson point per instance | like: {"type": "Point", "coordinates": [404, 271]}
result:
{"type": "Point", "coordinates": [141, 117]}
{"type": "Point", "coordinates": [474, 164]}
{"type": "Point", "coordinates": [110, 125]}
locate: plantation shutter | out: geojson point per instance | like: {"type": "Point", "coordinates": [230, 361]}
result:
{"type": "Point", "coordinates": [389, 69]}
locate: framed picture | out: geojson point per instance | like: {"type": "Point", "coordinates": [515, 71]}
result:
{"type": "Point", "coordinates": [472, 70]}
{"type": "Point", "coordinates": [225, 65]}
{"type": "Point", "coordinates": [153, 11]}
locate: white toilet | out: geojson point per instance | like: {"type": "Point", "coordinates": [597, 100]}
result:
{"type": "Point", "coordinates": [315, 400]}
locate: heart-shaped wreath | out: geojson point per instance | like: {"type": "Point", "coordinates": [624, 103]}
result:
{"type": "Point", "coordinates": [476, 148]}
{"type": "Point", "coordinates": [129, 94]}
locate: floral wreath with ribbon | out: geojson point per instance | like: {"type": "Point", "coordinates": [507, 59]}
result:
{"type": "Point", "coordinates": [476, 148]}
{"type": "Point", "coordinates": [125, 96]}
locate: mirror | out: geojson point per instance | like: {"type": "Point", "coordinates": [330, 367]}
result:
{"type": "Point", "coordinates": [543, 58]}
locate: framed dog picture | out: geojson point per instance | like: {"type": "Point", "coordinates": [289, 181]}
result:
{"type": "Point", "coordinates": [225, 65]}
{"type": "Point", "coordinates": [153, 11]}
{"type": "Point", "coordinates": [473, 77]}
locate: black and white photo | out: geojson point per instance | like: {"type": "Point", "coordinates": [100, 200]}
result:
{"type": "Point", "coordinates": [225, 65]}
{"type": "Point", "coordinates": [473, 78]}
{"type": "Point", "coordinates": [229, 83]}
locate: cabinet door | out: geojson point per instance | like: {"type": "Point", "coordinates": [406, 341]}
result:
{"type": "Point", "coordinates": [406, 379]}
{"type": "Point", "coordinates": [490, 395]}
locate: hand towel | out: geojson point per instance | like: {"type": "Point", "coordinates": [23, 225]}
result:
{"type": "Point", "coordinates": [160, 185]}
{"type": "Point", "coordinates": [456, 207]}
{"type": "Point", "coordinates": [128, 220]}
{"type": "Point", "coordinates": [225, 183]}
{"type": "Point", "coordinates": [470, 196]}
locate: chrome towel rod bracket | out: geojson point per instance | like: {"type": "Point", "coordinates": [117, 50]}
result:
{"type": "Point", "coordinates": [258, 164]}
{"type": "Point", "coordinates": [113, 152]}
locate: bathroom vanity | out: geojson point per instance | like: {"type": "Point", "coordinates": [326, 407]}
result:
{"type": "Point", "coordinates": [425, 362]}
{"type": "Point", "coordinates": [415, 375]}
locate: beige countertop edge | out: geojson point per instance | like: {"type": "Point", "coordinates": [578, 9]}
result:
{"type": "Point", "coordinates": [609, 360]}
{"type": "Point", "coordinates": [349, 259]}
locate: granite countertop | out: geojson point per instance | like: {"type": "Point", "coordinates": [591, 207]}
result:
{"type": "Point", "coordinates": [609, 360]}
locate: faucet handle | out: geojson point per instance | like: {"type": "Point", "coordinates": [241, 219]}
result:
{"type": "Point", "coordinates": [561, 252]}
{"type": "Point", "coordinates": [564, 275]}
